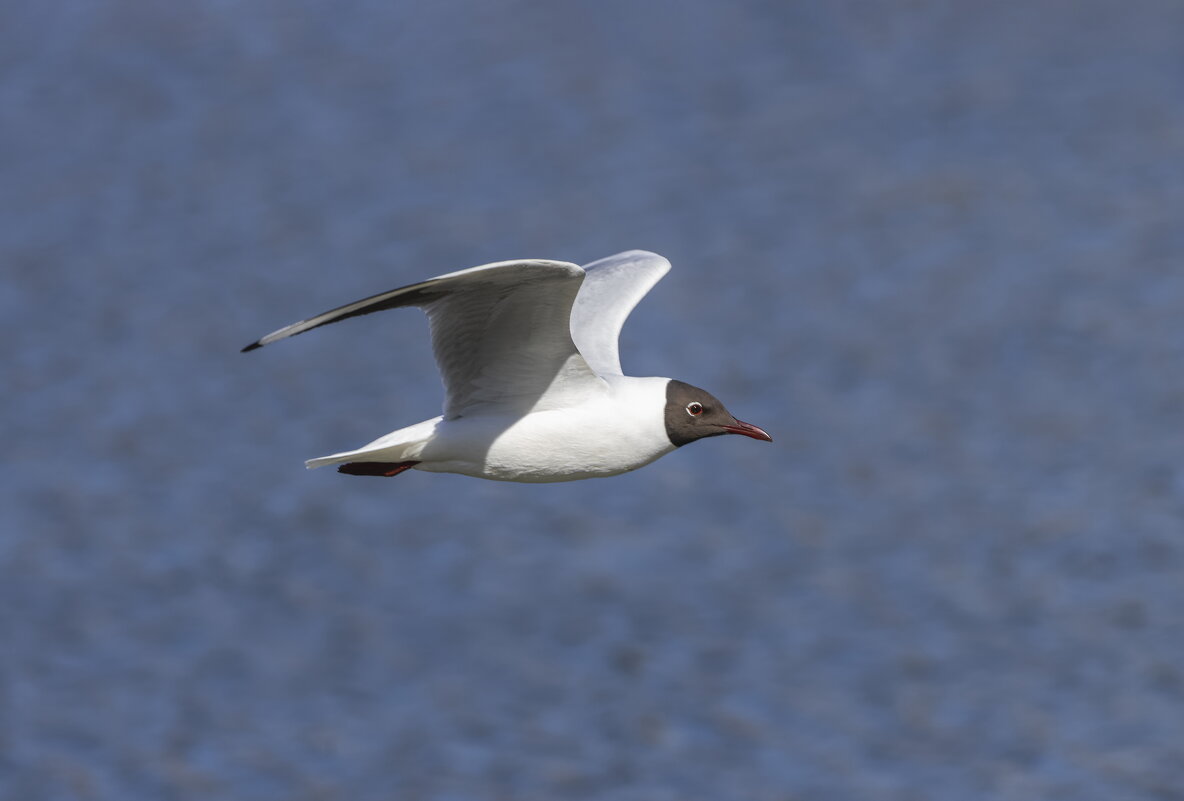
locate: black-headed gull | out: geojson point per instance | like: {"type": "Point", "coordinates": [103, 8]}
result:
{"type": "Point", "coordinates": [533, 384]}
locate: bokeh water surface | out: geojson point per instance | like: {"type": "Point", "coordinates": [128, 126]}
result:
{"type": "Point", "coordinates": [935, 248]}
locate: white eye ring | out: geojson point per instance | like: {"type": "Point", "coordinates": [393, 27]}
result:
{"type": "Point", "coordinates": [694, 408]}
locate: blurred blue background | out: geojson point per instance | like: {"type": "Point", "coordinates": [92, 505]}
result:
{"type": "Point", "coordinates": [935, 248]}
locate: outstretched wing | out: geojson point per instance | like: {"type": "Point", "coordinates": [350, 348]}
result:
{"type": "Point", "coordinates": [500, 333]}
{"type": "Point", "coordinates": [614, 285]}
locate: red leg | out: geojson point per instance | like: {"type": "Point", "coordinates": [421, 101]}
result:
{"type": "Point", "coordinates": [387, 469]}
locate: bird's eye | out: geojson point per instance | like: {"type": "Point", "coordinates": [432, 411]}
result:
{"type": "Point", "coordinates": [694, 408]}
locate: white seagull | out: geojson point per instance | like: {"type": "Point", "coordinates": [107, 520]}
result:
{"type": "Point", "coordinates": [533, 385]}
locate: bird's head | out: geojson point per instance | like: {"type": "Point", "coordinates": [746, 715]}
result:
{"type": "Point", "coordinates": [693, 413]}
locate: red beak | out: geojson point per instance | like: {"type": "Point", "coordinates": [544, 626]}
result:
{"type": "Point", "coordinates": [748, 430]}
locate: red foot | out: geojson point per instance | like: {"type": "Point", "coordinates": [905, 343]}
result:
{"type": "Point", "coordinates": [387, 469]}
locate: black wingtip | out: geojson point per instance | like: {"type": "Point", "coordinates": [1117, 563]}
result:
{"type": "Point", "coordinates": [252, 346]}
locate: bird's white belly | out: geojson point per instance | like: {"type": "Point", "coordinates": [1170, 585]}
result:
{"type": "Point", "coordinates": [547, 446]}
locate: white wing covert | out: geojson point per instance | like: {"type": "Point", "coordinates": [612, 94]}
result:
{"type": "Point", "coordinates": [613, 287]}
{"type": "Point", "coordinates": [500, 333]}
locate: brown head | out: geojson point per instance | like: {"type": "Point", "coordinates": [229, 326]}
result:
{"type": "Point", "coordinates": [693, 413]}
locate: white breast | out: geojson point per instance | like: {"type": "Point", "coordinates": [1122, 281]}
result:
{"type": "Point", "coordinates": [613, 433]}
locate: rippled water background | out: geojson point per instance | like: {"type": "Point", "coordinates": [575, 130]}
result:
{"type": "Point", "coordinates": [935, 248]}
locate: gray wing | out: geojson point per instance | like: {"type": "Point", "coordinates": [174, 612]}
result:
{"type": "Point", "coordinates": [614, 285]}
{"type": "Point", "coordinates": [500, 333]}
